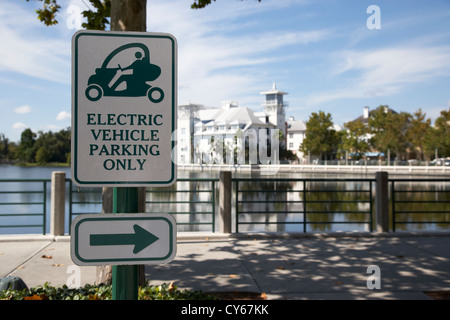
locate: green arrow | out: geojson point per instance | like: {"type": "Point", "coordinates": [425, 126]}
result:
{"type": "Point", "coordinates": [141, 239]}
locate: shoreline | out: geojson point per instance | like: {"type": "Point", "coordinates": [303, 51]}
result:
{"type": "Point", "coordinates": [332, 169]}
{"type": "Point", "coordinates": [271, 170]}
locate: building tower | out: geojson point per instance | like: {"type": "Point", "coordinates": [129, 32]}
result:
{"type": "Point", "coordinates": [275, 108]}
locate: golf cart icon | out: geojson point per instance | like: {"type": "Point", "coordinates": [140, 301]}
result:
{"type": "Point", "coordinates": [126, 72]}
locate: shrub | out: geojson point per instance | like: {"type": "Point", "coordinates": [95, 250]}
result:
{"type": "Point", "coordinates": [101, 292]}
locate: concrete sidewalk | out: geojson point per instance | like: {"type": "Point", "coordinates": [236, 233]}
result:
{"type": "Point", "coordinates": [303, 266]}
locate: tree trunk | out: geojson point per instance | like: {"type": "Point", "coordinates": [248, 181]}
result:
{"type": "Point", "coordinates": [126, 15]}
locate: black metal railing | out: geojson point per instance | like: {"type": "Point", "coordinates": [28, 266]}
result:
{"type": "Point", "coordinates": [190, 201]}
{"type": "Point", "coordinates": [23, 209]}
{"type": "Point", "coordinates": [420, 202]}
{"type": "Point", "coordinates": [296, 204]}
{"type": "Point", "coordinates": [272, 204]}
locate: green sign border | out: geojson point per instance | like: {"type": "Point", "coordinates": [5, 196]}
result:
{"type": "Point", "coordinates": [99, 217]}
{"type": "Point", "coordinates": [75, 104]}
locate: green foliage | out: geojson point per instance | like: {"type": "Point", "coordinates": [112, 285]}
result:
{"type": "Point", "coordinates": [199, 4]}
{"type": "Point", "coordinates": [26, 151]}
{"type": "Point", "coordinates": [321, 138]}
{"type": "Point", "coordinates": [97, 20]}
{"type": "Point", "coordinates": [48, 12]}
{"type": "Point", "coordinates": [390, 131]}
{"type": "Point", "coordinates": [101, 292]}
{"type": "Point", "coordinates": [438, 136]}
{"type": "Point", "coordinates": [7, 149]}
{"type": "Point", "coordinates": [353, 139]}
{"type": "Point", "coordinates": [40, 148]}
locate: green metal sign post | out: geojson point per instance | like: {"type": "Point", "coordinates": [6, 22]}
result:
{"type": "Point", "coordinates": [125, 278]}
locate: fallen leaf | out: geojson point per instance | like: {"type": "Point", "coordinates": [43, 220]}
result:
{"type": "Point", "coordinates": [263, 296]}
{"type": "Point", "coordinates": [57, 265]}
{"type": "Point", "coordinates": [280, 268]}
{"type": "Point", "coordinates": [46, 257]}
{"type": "Point", "coordinates": [36, 297]}
{"type": "Point", "coordinates": [21, 267]}
{"type": "Point", "coordinates": [233, 275]}
{"type": "Point", "coordinates": [338, 283]}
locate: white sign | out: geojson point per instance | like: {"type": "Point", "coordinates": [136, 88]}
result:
{"type": "Point", "coordinates": [124, 98]}
{"type": "Point", "coordinates": [123, 239]}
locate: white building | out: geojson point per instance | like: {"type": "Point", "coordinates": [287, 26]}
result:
{"type": "Point", "coordinates": [275, 108]}
{"type": "Point", "coordinates": [218, 133]}
{"type": "Point", "coordinates": [296, 132]}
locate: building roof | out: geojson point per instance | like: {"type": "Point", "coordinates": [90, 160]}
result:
{"type": "Point", "coordinates": [236, 115]}
{"type": "Point", "coordinates": [295, 125]}
{"type": "Point", "coordinates": [274, 90]}
{"type": "Point", "coordinates": [365, 119]}
{"type": "Point", "coordinates": [241, 114]}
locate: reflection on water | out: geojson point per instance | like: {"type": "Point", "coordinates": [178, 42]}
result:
{"type": "Point", "coordinates": [265, 206]}
{"type": "Point", "coordinates": [305, 206]}
{"type": "Point", "coordinates": [422, 206]}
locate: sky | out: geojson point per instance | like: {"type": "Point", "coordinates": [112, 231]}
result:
{"type": "Point", "coordinates": [335, 56]}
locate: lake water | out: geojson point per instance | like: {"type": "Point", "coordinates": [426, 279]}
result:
{"type": "Point", "coordinates": [264, 206]}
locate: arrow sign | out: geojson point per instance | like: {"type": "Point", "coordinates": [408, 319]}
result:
{"type": "Point", "coordinates": [123, 239]}
{"type": "Point", "coordinates": [141, 239]}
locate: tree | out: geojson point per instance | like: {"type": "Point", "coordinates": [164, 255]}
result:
{"type": "Point", "coordinates": [4, 147]}
{"type": "Point", "coordinates": [199, 4]}
{"type": "Point", "coordinates": [52, 147]}
{"type": "Point", "coordinates": [98, 19]}
{"type": "Point", "coordinates": [417, 132]}
{"type": "Point", "coordinates": [389, 130]}
{"type": "Point", "coordinates": [354, 138]}
{"type": "Point", "coordinates": [26, 149]}
{"type": "Point", "coordinates": [321, 138]}
{"type": "Point", "coordinates": [438, 137]}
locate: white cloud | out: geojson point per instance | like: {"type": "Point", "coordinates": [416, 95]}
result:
{"type": "Point", "coordinates": [384, 72]}
{"type": "Point", "coordinates": [215, 43]}
{"type": "Point", "coordinates": [27, 50]}
{"type": "Point", "coordinates": [20, 126]}
{"type": "Point", "coordinates": [63, 115]}
{"type": "Point", "coordinates": [22, 109]}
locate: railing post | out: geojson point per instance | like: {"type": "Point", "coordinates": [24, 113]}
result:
{"type": "Point", "coordinates": [382, 202]}
{"type": "Point", "coordinates": [58, 203]}
{"type": "Point", "coordinates": [225, 201]}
